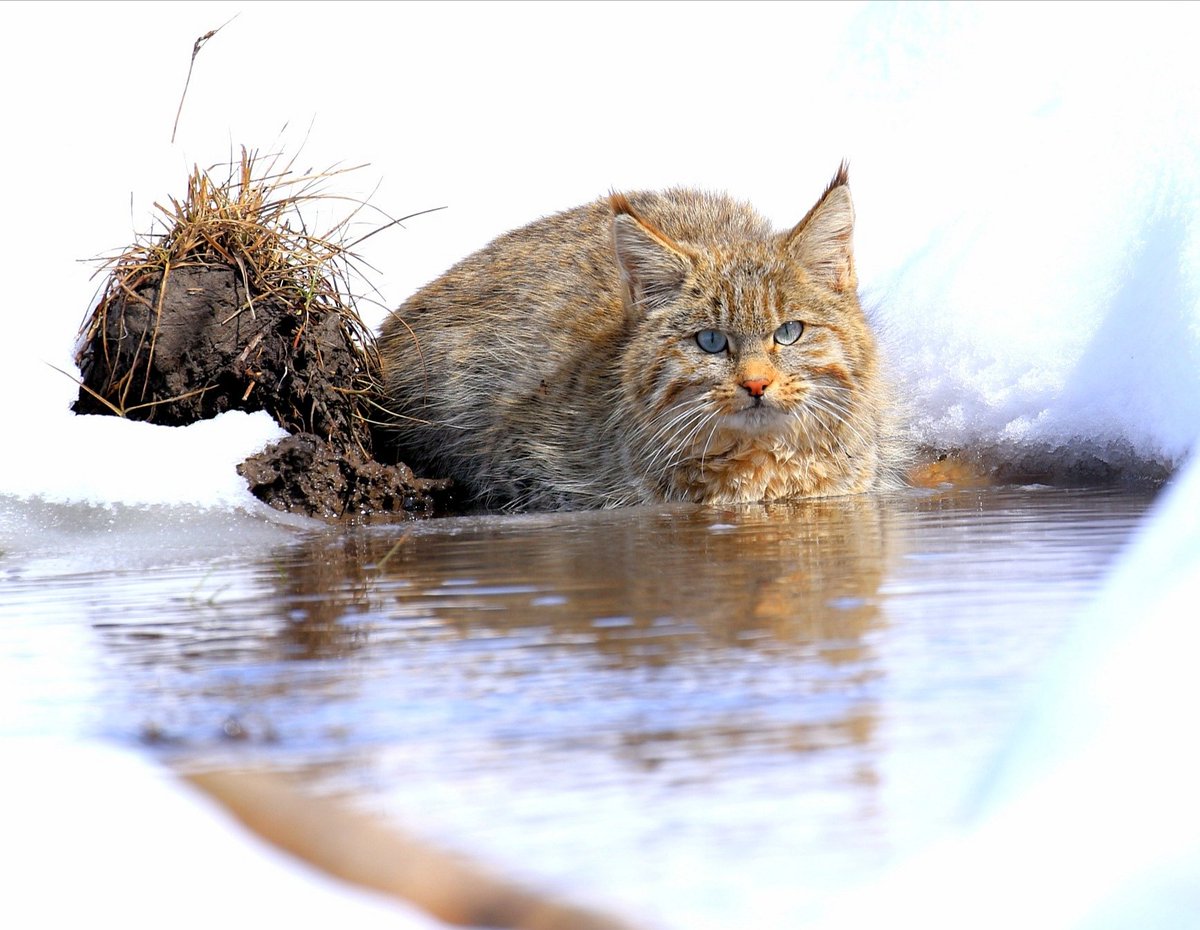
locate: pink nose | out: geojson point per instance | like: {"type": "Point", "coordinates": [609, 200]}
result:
{"type": "Point", "coordinates": [756, 386]}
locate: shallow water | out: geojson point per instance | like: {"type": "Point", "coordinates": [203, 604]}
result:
{"type": "Point", "coordinates": [696, 718]}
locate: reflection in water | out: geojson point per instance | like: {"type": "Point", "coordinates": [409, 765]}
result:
{"type": "Point", "coordinates": [703, 717]}
{"type": "Point", "coordinates": [699, 635]}
{"type": "Point", "coordinates": [642, 589]}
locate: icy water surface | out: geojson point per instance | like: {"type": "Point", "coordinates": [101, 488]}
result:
{"type": "Point", "coordinates": [695, 718]}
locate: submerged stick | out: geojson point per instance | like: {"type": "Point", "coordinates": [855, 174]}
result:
{"type": "Point", "coordinates": [355, 848]}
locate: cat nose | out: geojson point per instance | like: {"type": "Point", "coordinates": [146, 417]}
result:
{"type": "Point", "coordinates": [756, 386]}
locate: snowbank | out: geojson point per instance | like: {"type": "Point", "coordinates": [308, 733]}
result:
{"type": "Point", "coordinates": [1027, 182]}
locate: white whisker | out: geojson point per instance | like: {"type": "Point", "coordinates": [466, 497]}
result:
{"type": "Point", "coordinates": [841, 416]}
{"type": "Point", "coordinates": [688, 441]}
{"type": "Point", "coordinates": [671, 454]}
{"type": "Point", "coordinates": [704, 451]}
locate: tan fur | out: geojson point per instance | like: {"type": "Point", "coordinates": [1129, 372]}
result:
{"type": "Point", "coordinates": [559, 366]}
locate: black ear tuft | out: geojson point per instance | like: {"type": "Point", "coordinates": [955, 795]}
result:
{"type": "Point", "coordinates": [823, 241]}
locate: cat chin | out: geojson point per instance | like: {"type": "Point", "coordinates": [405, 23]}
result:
{"type": "Point", "coordinates": [756, 421]}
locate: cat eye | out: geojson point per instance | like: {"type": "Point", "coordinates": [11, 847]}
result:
{"type": "Point", "coordinates": [711, 340]}
{"type": "Point", "coordinates": [789, 332]}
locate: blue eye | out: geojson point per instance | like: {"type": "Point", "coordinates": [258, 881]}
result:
{"type": "Point", "coordinates": [711, 340]}
{"type": "Point", "coordinates": [789, 332]}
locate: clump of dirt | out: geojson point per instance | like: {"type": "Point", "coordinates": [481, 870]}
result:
{"type": "Point", "coordinates": [307, 474]}
{"type": "Point", "coordinates": [236, 306]}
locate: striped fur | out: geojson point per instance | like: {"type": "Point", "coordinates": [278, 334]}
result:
{"type": "Point", "coordinates": [559, 366]}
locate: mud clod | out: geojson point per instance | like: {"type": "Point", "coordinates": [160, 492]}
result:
{"type": "Point", "coordinates": [236, 306]}
{"type": "Point", "coordinates": [305, 474]}
{"type": "Point", "coordinates": [194, 345]}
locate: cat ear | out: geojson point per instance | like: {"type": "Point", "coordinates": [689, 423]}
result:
{"type": "Point", "coordinates": [652, 266]}
{"type": "Point", "coordinates": [822, 241]}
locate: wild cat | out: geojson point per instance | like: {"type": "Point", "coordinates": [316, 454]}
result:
{"type": "Point", "coordinates": [646, 347]}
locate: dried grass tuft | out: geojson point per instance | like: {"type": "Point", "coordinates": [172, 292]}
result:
{"type": "Point", "coordinates": [250, 221]}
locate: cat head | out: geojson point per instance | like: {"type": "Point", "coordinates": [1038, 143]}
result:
{"type": "Point", "coordinates": [745, 335]}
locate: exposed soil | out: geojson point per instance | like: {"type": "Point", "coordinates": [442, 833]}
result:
{"type": "Point", "coordinates": [197, 345]}
{"type": "Point", "coordinates": [305, 474]}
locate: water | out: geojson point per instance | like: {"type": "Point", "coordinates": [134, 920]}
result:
{"type": "Point", "coordinates": [696, 718]}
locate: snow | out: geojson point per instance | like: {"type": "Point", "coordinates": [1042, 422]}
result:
{"type": "Point", "coordinates": [182, 860]}
{"type": "Point", "coordinates": [112, 460]}
{"type": "Point", "coordinates": [1089, 820]}
{"type": "Point", "coordinates": [1027, 181]}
